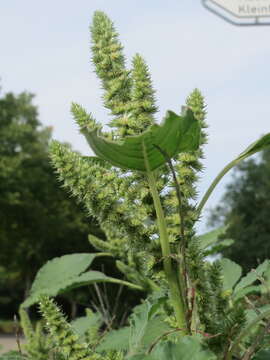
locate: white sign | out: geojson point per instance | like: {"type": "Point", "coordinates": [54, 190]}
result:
{"type": "Point", "coordinates": [245, 8]}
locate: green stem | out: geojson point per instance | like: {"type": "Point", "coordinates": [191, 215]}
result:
{"type": "Point", "coordinates": [123, 282]}
{"type": "Point", "coordinates": [151, 283]}
{"type": "Point", "coordinates": [103, 254]}
{"type": "Point", "coordinates": [176, 296]}
{"type": "Point", "coordinates": [182, 273]}
{"type": "Point", "coordinates": [214, 184]}
{"type": "Point", "coordinates": [126, 283]}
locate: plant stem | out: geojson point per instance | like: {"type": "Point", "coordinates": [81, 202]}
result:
{"type": "Point", "coordinates": [103, 254]}
{"type": "Point", "coordinates": [182, 273]}
{"type": "Point", "coordinates": [258, 340]}
{"type": "Point", "coordinates": [176, 296]}
{"type": "Point", "coordinates": [214, 184]}
{"type": "Point", "coordinates": [123, 282]}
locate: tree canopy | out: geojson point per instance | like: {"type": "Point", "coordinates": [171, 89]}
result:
{"type": "Point", "coordinates": [245, 207]}
{"type": "Point", "coordinates": [39, 220]}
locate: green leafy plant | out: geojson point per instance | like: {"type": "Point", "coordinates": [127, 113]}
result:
{"type": "Point", "coordinates": [141, 188]}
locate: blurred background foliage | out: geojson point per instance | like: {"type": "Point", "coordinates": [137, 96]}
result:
{"type": "Point", "coordinates": [245, 209]}
{"type": "Point", "coordinates": [38, 219]}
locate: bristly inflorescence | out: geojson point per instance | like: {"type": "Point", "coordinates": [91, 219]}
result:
{"type": "Point", "coordinates": [38, 345]}
{"type": "Point", "coordinates": [109, 64]}
{"type": "Point", "coordinates": [187, 166]}
{"type": "Point", "coordinates": [120, 200]}
{"type": "Point", "coordinates": [62, 334]}
{"type": "Point", "coordinates": [101, 190]}
{"type": "Point", "coordinates": [108, 196]}
{"type": "Point", "coordinates": [142, 95]}
{"type": "Point", "coordinates": [128, 94]}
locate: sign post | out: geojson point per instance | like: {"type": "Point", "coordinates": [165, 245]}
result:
{"type": "Point", "coordinates": [241, 12]}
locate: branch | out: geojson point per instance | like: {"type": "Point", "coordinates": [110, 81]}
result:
{"type": "Point", "coordinates": [208, 336]}
{"type": "Point", "coordinates": [245, 332]}
{"type": "Point", "coordinates": [251, 350]}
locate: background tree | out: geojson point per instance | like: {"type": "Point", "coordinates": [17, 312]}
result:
{"type": "Point", "coordinates": [38, 220]}
{"type": "Point", "coordinates": [245, 207]}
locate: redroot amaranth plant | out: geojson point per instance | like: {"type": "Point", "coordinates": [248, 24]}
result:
{"type": "Point", "coordinates": [141, 188]}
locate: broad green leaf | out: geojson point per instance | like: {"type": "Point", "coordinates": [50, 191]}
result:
{"type": "Point", "coordinates": [188, 348]}
{"type": "Point", "coordinates": [255, 147]}
{"type": "Point", "coordinates": [251, 277]}
{"type": "Point", "coordinates": [176, 134]}
{"type": "Point", "coordinates": [57, 274]}
{"type": "Point", "coordinates": [82, 324]}
{"type": "Point", "coordinates": [210, 237]}
{"type": "Point", "coordinates": [231, 273]}
{"type": "Point", "coordinates": [251, 314]}
{"type": "Point", "coordinates": [245, 291]}
{"type": "Point", "coordinates": [136, 338]}
{"type": "Point", "coordinates": [66, 273]}
{"type": "Point", "coordinates": [93, 160]}
{"type": "Point", "coordinates": [88, 278]}
{"type": "Point", "coordinates": [156, 306]}
{"type": "Point", "coordinates": [145, 328]}
{"type": "Point", "coordinates": [56, 285]}
{"type": "Point", "coordinates": [154, 329]}
{"type": "Point", "coordinates": [115, 340]}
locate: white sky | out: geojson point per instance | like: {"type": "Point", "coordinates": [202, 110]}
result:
{"type": "Point", "coordinates": [45, 50]}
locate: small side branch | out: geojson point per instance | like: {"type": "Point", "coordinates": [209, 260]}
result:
{"type": "Point", "coordinates": [206, 335]}
{"type": "Point", "coordinates": [17, 335]}
{"type": "Point", "coordinates": [258, 340]}
{"type": "Point", "coordinates": [246, 332]}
